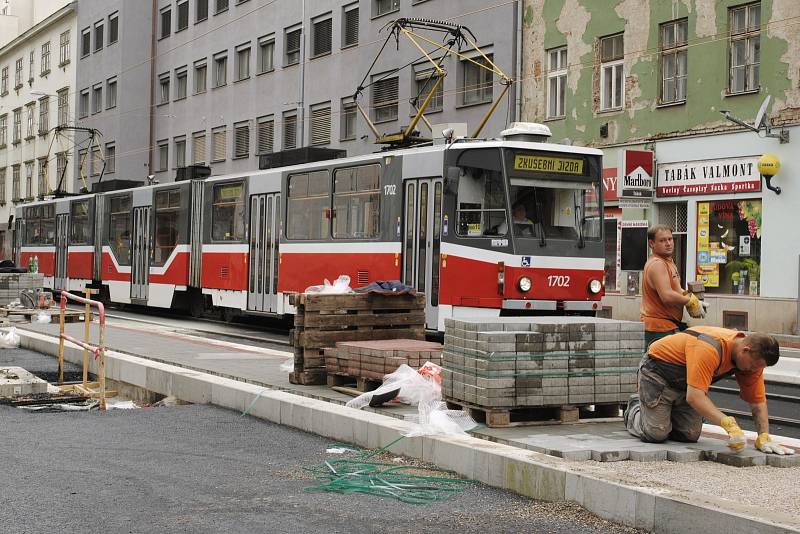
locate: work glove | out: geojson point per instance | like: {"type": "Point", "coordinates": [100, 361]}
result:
{"type": "Point", "coordinates": [736, 439]}
{"type": "Point", "coordinates": [695, 306]}
{"type": "Point", "coordinates": [765, 444]}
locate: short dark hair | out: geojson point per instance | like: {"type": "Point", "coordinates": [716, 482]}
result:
{"type": "Point", "coordinates": [765, 347]}
{"type": "Point", "coordinates": [653, 230]}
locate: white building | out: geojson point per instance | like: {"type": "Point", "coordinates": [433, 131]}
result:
{"type": "Point", "coordinates": [37, 80]}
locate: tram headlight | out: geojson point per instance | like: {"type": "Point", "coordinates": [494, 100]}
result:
{"type": "Point", "coordinates": [524, 284]}
{"type": "Point", "coordinates": [595, 286]}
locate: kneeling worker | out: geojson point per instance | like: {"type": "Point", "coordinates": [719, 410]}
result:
{"type": "Point", "coordinates": [675, 376]}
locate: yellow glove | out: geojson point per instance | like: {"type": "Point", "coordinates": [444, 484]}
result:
{"type": "Point", "coordinates": [765, 444]}
{"type": "Point", "coordinates": [736, 440]}
{"type": "Point", "coordinates": [696, 308]}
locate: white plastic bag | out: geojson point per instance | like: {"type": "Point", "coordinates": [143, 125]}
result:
{"type": "Point", "coordinates": [340, 285]}
{"type": "Point", "coordinates": [9, 339]}
{"type": "Point", "coordinates": [288, 365]}
{"type": "Point", "coordinates": [41, 318]}
{"type": "Point", "coordinates": [434, 418]}
{"type": "Point", "coordinates": [413, 388]}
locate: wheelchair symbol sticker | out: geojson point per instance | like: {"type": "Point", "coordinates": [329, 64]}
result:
{"type": "Point", "coordinates": [526, 261]}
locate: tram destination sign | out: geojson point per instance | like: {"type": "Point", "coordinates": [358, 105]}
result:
{"type": "Point", "coordinates": [738, 175]}
{"type": "Point", "coordinates": [536, 163]}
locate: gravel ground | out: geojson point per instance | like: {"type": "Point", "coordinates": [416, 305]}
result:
{"type": "Point", "coordinates": [772, 488]}
{"type": "Point", "coordinates": [205, 469]}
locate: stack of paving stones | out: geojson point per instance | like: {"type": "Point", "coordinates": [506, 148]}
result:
{"type": "Point", "coordinates": [12, 283]}
{"type": "Point", "coordinates": [373, 359]}
{"type": "Point", "coordinates": [536, 362]}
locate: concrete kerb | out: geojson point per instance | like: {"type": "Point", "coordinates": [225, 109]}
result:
{"type": "Point", "coordinates": [526, 472]}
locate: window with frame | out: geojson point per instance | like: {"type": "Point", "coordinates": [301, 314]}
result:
{"type": "Point", "coordinates": [200, 76]}
{"type": "Point", "coordinates": [243, 62]}
{"type": "Point", "coordinates": [119, 235]}
{"type": "Point", "coordinates": [745, 48]}
{"type": "Point", "coordinates": [166, 22]}
{"type": "Point", "coordinates": [477, 79]}
{"type": "Point", "coordinates": [40, 225]}
{"type": "Point", "coordinates": [219, 142]}
{"type": "Point", "coordinates": [199, 148]}
{"type": "Point", "coordinates": [17, 130]}
{"type": "Point", "coordinates": [163, 89]}
{"type": "Point", "coordinates": [220, 69]}
{"type": "Point", "coordinates": [44, 115]}
{"type": "Point", "coordinates": [424, 83]}
{"type": "Point", "coordinates": [382, 7]}
{"type": "Point", "coordinates": [30, 111]}
{"type": "Point", "coordinates": [266, 135]}
{"type": "Point", "coordinates": [43, 187]}
{"type": "Point", "coordinates": [321, 124]}
{"type": "Point", "coordinates": [612, 81]}
{"type": "Point", "coordinates": [220, 6]}
{"type": "Point", "coordinates": [292, 47]}
{"type": "Point", "coordinates": [350, 26]}
{"type": "Point", "coordinates": [113, 28]}
{"type": "Point", "coordinates": [227, 212]}
{"type": "Point", "coordinates": [3, 130]}
{"type": "Point", "coordinates": [18, 74]}
{"type": "Point", "coordinates": [241, 140]}
{"type": "Point", "coordinates": [481, 196]}
{"type": "Point", "coordinates": [96, 163]}
{"type": "Point", "coordinates": [266, 54]}
{"type": "Point", "coordinates": [180, 152]}
{"type": "Point", "coordinates": [97, 98]}
{"type": "Point", "coordinates": [63, 106]}
{"type": "Point", "coordinates": [98, 36]}
{"type": "Point", "coordinates": [385, 98]}
{"type": "Point", "coordinates": [83, 104]}
{"type": "Point", "coordinates": [4, 81]}
{"type": "Point", "coordinates": [200, 11]}
{"type": "Point", "coordinates": [167, 224]}
{"type": "Point", "coordinates": [3, 185]}
{"type": "Point", "coordinates": [180, 83]}
{"type": "Point", "coordinates": [322, 36]}
{"type": "Point", "coordinates": [80, 223]}
{"type": "Point", "coordinates": [111, 158]}
{"type": "Point", "coordinates": [163, 155]}
{"type": "Point", "coordinates": [556, 82]}
{"type": "Point", "coordinates": [356, 202]}
{"type": "Point", "coordinates": [183, 16]}
{"type": "Point", "coordinates": [61, 166]}
{"type": "Point", "coordinates": [29, 179]}
{"type": "Point", "coordinates": [63, 49]}
{"type": "Point", "coordinates": [111, 93]}
{"type": "Point", "coordinates": [308, 206]}
{"type": "Point", "coordinates": [348, 116]}
{"type": "Point", "coordinates": [674, 50]}
{"type": "Point", "coordinates": [45, 66]}
{"type": "Point", "coordinates": [15, 185]}
{"type": "Point", "coordinates": [86, 42]}
{"type": "Point", "coordinates": [289, 130]}
{"type": "Point", "coordinates": [30, 66]}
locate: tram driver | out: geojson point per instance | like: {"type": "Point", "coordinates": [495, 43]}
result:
{"type": "Point", "coordinates": [523, 225]}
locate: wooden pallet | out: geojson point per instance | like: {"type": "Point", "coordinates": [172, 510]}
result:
{"type": "Point", "coordinates": [539, 415]}
{"type": "Point", "coordinates": [91, 390]}
{"type": "Point", "coordinates": [360, 383]}
{"type": "Point", "coordinates": [70, 316]}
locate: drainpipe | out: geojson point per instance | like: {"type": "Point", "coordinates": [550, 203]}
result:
{"type": "Point", "coordinates": [519, 13]}
{"type": "Point", "coordinates": [153, 40]}
{"type": "Point", "coordinates": [301, 120]}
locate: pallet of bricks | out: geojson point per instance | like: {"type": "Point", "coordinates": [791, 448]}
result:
{"type": "Point", "coordinates": [366, 362]}
{"type": "Point", "coordinates": [514, 371]}
{"type": "Point", "coordinates": [323, 320]}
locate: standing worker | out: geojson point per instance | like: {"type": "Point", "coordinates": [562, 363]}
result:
{"type": "Point", "coordinates": [675, 376]}
{"type": "Point", "coordinates": [663, 299]}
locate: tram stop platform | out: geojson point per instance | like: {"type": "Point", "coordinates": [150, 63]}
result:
{"type": "Point", "coordinates": [669, 487]}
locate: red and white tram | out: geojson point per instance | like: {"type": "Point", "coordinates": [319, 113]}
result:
{"type": "Point", "coordinates": [483, 228]}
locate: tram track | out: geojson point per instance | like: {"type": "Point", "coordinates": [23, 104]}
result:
{"type": "Point", "coordinates": [727, 398]}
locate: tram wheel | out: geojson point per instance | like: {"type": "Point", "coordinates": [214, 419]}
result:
{"type": "Point", "coordinates": [197, 306]}
{"type": "Point", "coordinates": [229, 315]}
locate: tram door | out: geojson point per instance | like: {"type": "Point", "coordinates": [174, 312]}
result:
{"type": "Point", "coordinates": [422, 241]}
{"type": "Point", "coordinates": [263, 264]}
{"type": "Point", "coordinates": [140, 253]}
{"type": "Point", "coordinates": [62, 242]}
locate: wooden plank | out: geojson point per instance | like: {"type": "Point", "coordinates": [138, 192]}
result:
{"type": "Point", "coordinates": [307, 378]}
{"type": "Point", "coordinates": [363, 302]}
{"type": "Point", "coordinates": [316, 320]}
{"type": "Point", "coordinates": [531, 416]}
{"type": "Point", "coordinates": [315, 338]}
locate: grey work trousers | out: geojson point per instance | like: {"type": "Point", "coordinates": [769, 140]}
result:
{"type": "Point", "coordinates": [661, 412]}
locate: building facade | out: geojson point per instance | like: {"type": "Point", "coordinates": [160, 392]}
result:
{"type": "Point", "coordinates": [37, 74]}
{"type": "Point", "coordinates": [234, 79]}
{"type": "Point", "coordinates": [660, 77]}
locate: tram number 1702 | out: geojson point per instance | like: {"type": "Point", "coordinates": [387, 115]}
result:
{"type": "Point", "coordinates": [389, 190]}
{"type": "Point", "coordinates": [558, 281]}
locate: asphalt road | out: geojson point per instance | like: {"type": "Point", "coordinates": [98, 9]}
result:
{"type": "Point", "coordinates": [204, 469]}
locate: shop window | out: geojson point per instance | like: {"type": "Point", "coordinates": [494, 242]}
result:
{"type": "Point", "coordinates": [729, 246]}
{"type": "Point", "coordinates": [356, 202]}
{"type": "Point", "coordinates": [80, 223]}
{"type": "Point", "coordinates": [611, 254]}
{"type": "Point", "coordinates": [120, 228]}
{"type": "Point", "coordinates": [227, 212]}
{"type": "Point", "coordinates": [481, 201]}
{"type": "Point", "coordinates": [168, 207]}
{"type": "Point", "coordinates": [309, 205]}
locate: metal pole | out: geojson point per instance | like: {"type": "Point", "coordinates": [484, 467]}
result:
{"type": "Point", "coordinates": [302, 90]}
{"type": "Point", "coordinates": [61, 339]}
{"type": "Point", "coordinates": [102, 368]}
{"type": "Point", "coordinates": [87, 317]}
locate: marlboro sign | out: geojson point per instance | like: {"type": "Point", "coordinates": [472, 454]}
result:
{"type": "Point", "coordinates": [636, 174]}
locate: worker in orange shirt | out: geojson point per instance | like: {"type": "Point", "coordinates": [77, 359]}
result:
{"type": "Point", "coordinates": [675, 376]}
{"type": "Point", "coordinates": [663, 299]}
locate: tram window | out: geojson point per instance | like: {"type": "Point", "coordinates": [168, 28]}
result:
{"type": "Point", "coordinates": [555, 207]}
{"type": "Point", "coordinates": [227, 212]}
{"type": "Point", "coordinates": [356, 202]}
{"type": "Point", "coordinates": [40, 223]}
{"type": "Point", "coordinates": [80, 228]}
{"type": "Point", "coordinates": [481, 201]}
{"type": "Point", "coordinates": [168, 207]}
{"type": "Point", "coordinates": [308, 210]}
{"type": "Point", "coordinates": [120, 228]}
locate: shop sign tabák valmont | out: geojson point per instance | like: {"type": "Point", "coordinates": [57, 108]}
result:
{"type": "Point", "coordinates": [738, 175]}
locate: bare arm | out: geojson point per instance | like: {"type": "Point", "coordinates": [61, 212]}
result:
{"type": "Point", "coordinates": [760, 416]}
{"type": "Point", "coordinates": [659, 278]}
{"type": "Point", "coordinates": [697, 399]}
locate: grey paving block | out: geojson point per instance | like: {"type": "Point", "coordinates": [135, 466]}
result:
{"type": "Point", "coordinates": [746, 458]}
{"type": "Point", "coordinates": [648, 455]}
{"type": "Point", "coordinates": [529, 400]}
{"type": "Point", "coordinates": [580, 381]}
{"type": "Point", "coordinates": [555, 390]}
{"type": "Point", "coordinates": [555, 400]}
{"type": "Point", "coordinates": [554, 381]}
{"type": "Point", "coordinates": [610, 456]}
{"type": "Point", "coordinates": [497, 337]}
{"type": "Point", "coordinates": [529, 382]}
{"type": "Point", "coordinates": [582, 390]}
{"type": "Point", "coordinates": [776, 460]}
{"type": "Point", "coordinates": [581, 399]}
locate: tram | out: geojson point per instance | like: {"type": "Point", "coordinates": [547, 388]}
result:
{"type": "Point", "coordinates": [484, 228]}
